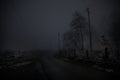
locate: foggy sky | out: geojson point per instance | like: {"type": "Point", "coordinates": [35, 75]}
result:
{"type": "Point", "coordinates": [34, 24]}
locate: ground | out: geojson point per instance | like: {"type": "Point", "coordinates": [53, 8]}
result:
{"type": "Point", "coordinates": [48, 67]}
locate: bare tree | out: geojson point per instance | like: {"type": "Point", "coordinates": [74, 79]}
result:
{"type": "Point", "coordinates": [74, 38]}
{"type": "Point", "coordinates": [116, 32]}
{"type": "Point", "coordinates": [77, 25]}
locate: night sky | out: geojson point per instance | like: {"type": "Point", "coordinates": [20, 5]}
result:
{"type": "Point", "coordinates": [34, 24]}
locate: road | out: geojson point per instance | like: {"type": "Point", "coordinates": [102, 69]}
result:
{"type": "Point", "coordinates": [55, 69]}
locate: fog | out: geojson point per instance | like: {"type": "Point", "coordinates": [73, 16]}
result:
{"type": "Point", "coordinates": [34, 24]}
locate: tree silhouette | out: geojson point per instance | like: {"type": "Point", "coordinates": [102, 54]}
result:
{"type": "Point", "coordinates": [77, 25]}
{"type": "Point", "coordinates": [116, 32]}
{"type": "Point", "coordinates": [74, 38]}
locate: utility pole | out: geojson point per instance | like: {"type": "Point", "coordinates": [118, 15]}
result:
{"type": "Point", "coordinates": [90, 35]}
{"type": "Point", "coordinates": [58, 42]}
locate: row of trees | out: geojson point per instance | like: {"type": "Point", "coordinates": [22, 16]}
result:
{"type": "Point", "coordinates": [74, 38]}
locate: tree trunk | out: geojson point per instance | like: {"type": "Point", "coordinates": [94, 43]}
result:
{"type": "Point", "coordinates": [82, 41]}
